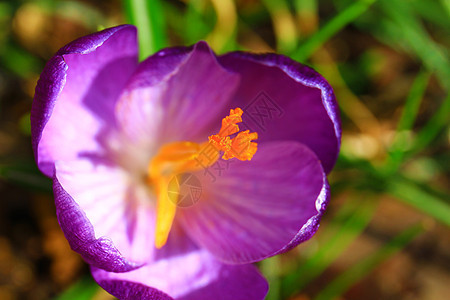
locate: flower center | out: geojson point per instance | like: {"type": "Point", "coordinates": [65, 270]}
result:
{"type": "Point", "coordinates": [181, 157]}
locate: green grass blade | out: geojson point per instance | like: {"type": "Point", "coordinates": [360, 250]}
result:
{"type": "Point", "coordinates": [284, 25]}
{"type": "Point", "coordinates": [148, 17]}
{"type": "Point", "coordinates": [84, 289]}
{"type": "Point", "coordinates": [223, 36]}
{"type": "Point", "coordinates": [331, 28]}
{"type": "Point", "coordinates": [432, 11]}
{"type": "Point", "coordinates": [361, 269]}
{"type": "Point", "coordinates": [5, 10]}
{"type": "Point", "coordinates": [307, 17]}
{"type": "Point", "coordinates": [417, 38]}
{"type": "Point", "coordinates": [433, 127]}
{"type": "Point", "coordinates": [270, 267]}
{"type": "Point", "coordinates": [415, 196]}
{"type": "Point", "coordinates": [26, 175]}
{"type": "Point", "coordinates": [306, 5]}
{"type": "Point", "coordinates": [353, 218]}
{"type": "Point", "coordinates": [19, 61]}
{"type": "Point", "coordinates": [309, 6]}
{"type": "Point", "coordinates": [424, 198]}
{"type": "Point", "coordinates": [446, 4]}
{"type": "Point", "coordinates": [194, 25]}
{"type": "Point", "coordinates": [406, 122]}
{"type": "Point", "coordinates": [425, 187]}
{"type": "Point", "coordinates": [413, 101]}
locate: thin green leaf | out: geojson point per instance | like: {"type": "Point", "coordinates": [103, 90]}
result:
{"type": "Point", "coordinates": [413, 101]}
{"type": "Point", "coordinates": [410, 110]}
{"type": "Point", "coordinates": [446, 4]}
{"type": "Point", "coordinates": [148, 17]}
{"type": "Point", "coordinates": [415, 196]}
{"type": "Point", "coordinates": [77, 11]}
{"type": "Point", "coordinates": [193, 23]}
{"type": "Point", "coordinates": [362, 268]}
{"type": "Point", "coordinates": [432, 11]}
{"type": "Point", "coordinates": [271, 269]}
{"type": "Point", "coordinates": [223, 36]}
{"type": "Point", "coordinates": [309, 6]}
{"type": "Point", "coordinates": [84, 289]}
{"type": "Point", "coordinates": [26, 175]}
{"type": "Point", "coordinates": [353, 218]}
{"type": "Point", "coordinates": [307, 17]}
{"type": "Point", "coordinates": [284, 25]}
{"type": "Point", "coordinates": [417, 38]}
{"type": "Point", "coordinates": [25, 124]}
{"type": "Point", "coordinates": [433, 127]}
{"type": "Point", "coordinates": [426, 188]}
{"type": "Point", "coordinates": [5, 10]}
{"type": "Point", "coordinates": [331, 28]}
{"type": "Point", "coordinates": [15, 59]}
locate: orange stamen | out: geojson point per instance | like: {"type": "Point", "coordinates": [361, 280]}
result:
{"type": "Point", "coordinates": [229, 126]}
{"type": "Point", "coordinates": [183, 157]}
{"type": "Point", "coordinates": [241, 146]}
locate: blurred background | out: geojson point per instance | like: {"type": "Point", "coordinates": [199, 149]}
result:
{"type": "Point", "coordinates": [386, 233]}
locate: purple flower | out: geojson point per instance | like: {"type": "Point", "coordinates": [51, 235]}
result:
{"type": "Point", "coordinates": [115, 135]}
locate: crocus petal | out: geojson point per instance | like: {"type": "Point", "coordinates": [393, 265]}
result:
{"type": "Point", "coordinates": [186, 274]}
{"type": "Point", "coordinates": [285, 100]}
{"type": "Point", "coordinates": [259, 208]}
{"type": "Point", "coordinates": [176, 95]}
{"type": "Point", "coordinates": [76, 94]}
{"type": "Point", "coordinates": [311, 226]}
{"type": "Point", "coordinates": [106, 218]}
{"type": "Point", "coordinates": [124, 290]}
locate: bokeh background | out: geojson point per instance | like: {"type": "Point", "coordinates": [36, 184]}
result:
{"type": "Point", "coordinates": [386, 233]}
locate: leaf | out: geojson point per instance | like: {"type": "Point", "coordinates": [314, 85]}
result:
{"type": "Point", "coordinates": [26, 175]}
{"type": "Point", "coordinates": [270, 267]}
{"type": "Point", "coordinates": [148, 17]}
{"type": "Point", "coordinates": [284, 25]}
{"type": "Point", "coordinates": [362, 268]}
{"type": "Point", "coordinates": [84, 289]}
{"type": "Point", "coordinates": [417, 39]}
{"type": "Point", "coordinates": [344, 18]}
{"type": "Point", "coordinates": [352, 218]}
{"type": "Point", "coordinates": [415, 196]}
{"type": "Point", "coordinates": [405, 124]}
{"type": "Point", "coordinates": [433, 127]}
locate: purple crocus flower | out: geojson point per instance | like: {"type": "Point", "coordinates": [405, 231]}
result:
{"type": "Point", "coordinates": [114, 135]}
